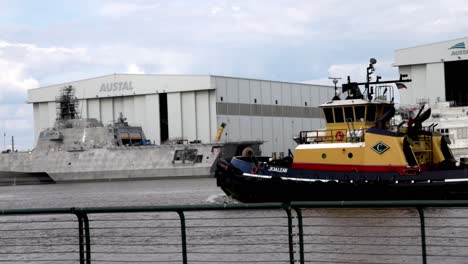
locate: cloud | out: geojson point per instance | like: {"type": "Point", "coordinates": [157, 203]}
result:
{"type": "Point", "coordinates": [134, 69]}
{"type": "Point", "coordinates": [15, 111]}
{"type": "Point", "coordinates": [119, 8]}
{"type": "Point", "coordinates": [28, 63]}
{"type": "Point", "coordinates": [25, 65]}
{"type": "Point", "coordinates": [161, 60]}
{"type": "Point", "coordinates": [357, 73]}
{"type": "Point", "coordinates": [14, 79]}
{"type": "Point", "coordinates": [17, 124]}
{"type": "Point", "coordinates": [17, 120]}
{"type": "Point", "coordinates": [235, 8]}
{"type": "Point", "coordinates": [213, 20]}
{"type": "Point", "coordinates": [215, 10]}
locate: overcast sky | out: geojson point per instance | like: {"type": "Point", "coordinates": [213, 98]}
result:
{"type": "Point", "coordinates": [47, 42]}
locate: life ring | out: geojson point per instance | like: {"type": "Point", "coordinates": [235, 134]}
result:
{"type": "Point", "coordinates": [254, 170]}
{"type": "Point", "coordinates": [339, 136]}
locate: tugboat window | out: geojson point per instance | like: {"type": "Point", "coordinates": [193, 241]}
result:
{"type": "Point", "coordinates": [328, 114]}
{"type": "Point", "coordinates": [371, 113]}
{"type": "Point", "coordinates": [349, 113]}
{"type": "Point", "coordinates": [359, 110]}
{"type": "Point", "coordinates": [339, 115]}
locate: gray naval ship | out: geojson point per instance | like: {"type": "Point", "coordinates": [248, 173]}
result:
{"type": "Point", "coordinates": [83, 149]}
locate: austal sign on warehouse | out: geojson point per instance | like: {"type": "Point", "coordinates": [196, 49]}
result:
{"type": "Point", "coordinates": [116, 86]}
{"type": "Point", "coordinates": [460, 49]}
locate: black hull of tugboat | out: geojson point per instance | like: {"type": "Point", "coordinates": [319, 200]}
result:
{"type": "Point", "coordinates": [266, 188]}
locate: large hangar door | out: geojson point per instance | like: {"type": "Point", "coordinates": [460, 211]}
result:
{"type": "Point", "coordinates": [456, 82]}
{"type": "Point", "coordinates": [163, 121]}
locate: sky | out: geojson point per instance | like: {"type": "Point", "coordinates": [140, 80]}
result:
{"type": "Point", "coordinates": [48, 42]}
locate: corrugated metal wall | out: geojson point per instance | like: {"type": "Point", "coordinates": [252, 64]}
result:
{"type": "Point", "coordinates": [266, 110]}
{"type": "Point", "coordinates": [428, 83]}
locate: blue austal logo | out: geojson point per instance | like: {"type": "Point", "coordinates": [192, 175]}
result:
{"type": "Point", "coordinates": [460, 45]}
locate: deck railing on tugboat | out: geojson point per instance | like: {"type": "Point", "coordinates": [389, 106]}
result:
{"type": "Point", "coordinates": [331, 136]}
{"type": "Point", "coordinates": [297, 232]}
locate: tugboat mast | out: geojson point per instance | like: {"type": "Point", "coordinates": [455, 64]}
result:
{"type": "Point", "coordinates": [353, 87]}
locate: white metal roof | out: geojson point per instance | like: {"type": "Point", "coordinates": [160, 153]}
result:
{"type": "Point", "coordinates": [433, 53]}
{"type": "Point", "coordinates": [131, 84]}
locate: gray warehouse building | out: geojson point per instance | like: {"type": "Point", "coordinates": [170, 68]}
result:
{"type": "Point", "coordinates": [194, 106]}
{"type": "Point", "coordinates": [438, 70]}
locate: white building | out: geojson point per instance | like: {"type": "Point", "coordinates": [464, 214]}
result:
{"type": "Point", "coordinates": [438, 72]}
{"type": "Point", "coordinates": [193, 107]}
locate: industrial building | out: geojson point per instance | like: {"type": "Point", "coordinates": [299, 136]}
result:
{"type": "Point", "coordinates": [193, 107]}
{"type": "Point", "coordinates": [438, 72]}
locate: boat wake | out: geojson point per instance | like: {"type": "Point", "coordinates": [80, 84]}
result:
{"type": "Point", "coordinates": [220, 199]}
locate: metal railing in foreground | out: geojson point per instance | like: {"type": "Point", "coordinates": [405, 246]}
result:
{"type": "Point", "coordinates": [299, 232]}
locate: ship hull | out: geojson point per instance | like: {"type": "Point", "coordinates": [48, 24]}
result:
{"type": "Point", "coordinates": [116, 163]}
{"type": "Point", "coordinates": [9, 178]}
{"type": "Point", "coordinates": [329, 186]}
{"type": "Point", "coordinates": [137, 174]}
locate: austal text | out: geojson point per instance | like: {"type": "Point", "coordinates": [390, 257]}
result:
{"type": "Point", "coordinates": [116, 86]}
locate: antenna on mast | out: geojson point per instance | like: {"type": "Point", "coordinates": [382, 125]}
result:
{"type": "Point", "coordinates": [337, 93]}
{"type": "Point", "coordinates": [370, 70]}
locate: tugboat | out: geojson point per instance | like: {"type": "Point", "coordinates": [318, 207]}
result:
{"type": "Point", "coordinates": [360, 155]}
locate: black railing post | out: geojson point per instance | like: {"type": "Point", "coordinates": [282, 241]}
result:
{"type": "Point", "coordinates": [301, 234]}
{"type": "Point", "coordinates": [290, 235]}
{"type": "Point", "coordinates": [183, 236]}
{"type": "Point", "coordinates": [87, 237]}
{"type": "Point", "coordinates": [81, 238]}
{"type": "Point", "coordinates": [423, 235]}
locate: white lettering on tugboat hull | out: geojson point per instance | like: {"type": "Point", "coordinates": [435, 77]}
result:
{"type": "Point", "coordinates": [277, 169]}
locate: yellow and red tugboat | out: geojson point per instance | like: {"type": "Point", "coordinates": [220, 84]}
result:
{"type": "Point", "coordinates": [358, 156]}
